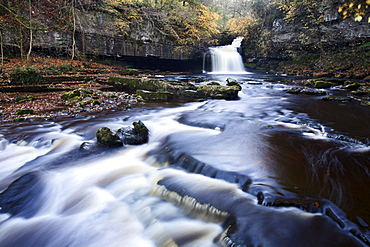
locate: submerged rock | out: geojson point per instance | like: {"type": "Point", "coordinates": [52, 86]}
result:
{"type": "Point", "coordinates": [107, 138]}
{"type": "Point", "coordinates": [137, 135]}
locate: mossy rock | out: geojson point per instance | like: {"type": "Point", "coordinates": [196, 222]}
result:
{"type": "Point", "coordinates": [311, 91]}
{"type": "Point", "coordinates": [71, 94]}
{"type": "Point", "coordinates": [351, 86]}
{"type": "Point", "coordinates": [217, 92]}
{"type": "Point", "coordinates": [294, 91]}
{"type": "Point", "coordinates": [158, 95]}
{"type": "Point", "coordinates": [24, 111]}
{"type": "Point", "coordinates": [22, 99]}
{"type": "Point", "coordinates": [359, 93]}
{"type": "Point", "coordinates": [87, 91]}
{"type": "Point", "coordinates": [133, 84]}
{"type": "Point", "coordinates": [322, 84]}
{"type": "Point", "coordinates": [107, 138]}
{"type": "Point", "coordinates": [337, 98]}
{"type": "Point", "coordinates": [213, 83]}
{"type": "Point", "coordinates": [136, 135]}
{"type": "Point", "coordinates": [232, 83]}
{"type": "Point", "coordinates": [129, 72]}
{"type": "Point", "coordinates": [199, 80]}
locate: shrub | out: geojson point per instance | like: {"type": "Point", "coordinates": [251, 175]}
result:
{"type": "Point", "coordinates": [27, 75]}
{"type": "Point", "coordinates": [60, 69]}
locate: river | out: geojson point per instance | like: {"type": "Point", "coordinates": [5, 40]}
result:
{"type": "Point", "coordinates": [268, 169]}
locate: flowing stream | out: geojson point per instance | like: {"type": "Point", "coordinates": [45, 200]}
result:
{"type": "Point", "coordinates": [268, 169]}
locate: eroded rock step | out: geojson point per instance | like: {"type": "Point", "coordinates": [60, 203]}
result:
{"type": "Point", "coordinates": [247, 223]}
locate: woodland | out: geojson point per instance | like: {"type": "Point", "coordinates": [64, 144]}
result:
{"type": "Point", "coordinates": [192, 24]}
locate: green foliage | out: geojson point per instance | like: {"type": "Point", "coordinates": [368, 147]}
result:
{"type": "Point", "coordinates": [71, 94]}
{"type": "Point", "coordinates": [25, 76]}
{"type": "Point", "coordinates": [22, 99]}
{"type": "Point", "coordinates": [129, 72]}
{"type": "Point", "coordinates": [24, 111]}
{"type": "Point", "coordinates": [59, 70]}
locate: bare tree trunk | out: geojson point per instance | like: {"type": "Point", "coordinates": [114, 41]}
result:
{"type": "Point", "coordinates": [30, 48]}
{"type": "Point", "coordinates": [21, 42]}
{"type": "Point", "coordinates": [31, 35]}
{"type": "Point", "coordinates": [74, 31]}
{"type": "Point", "coordinates": [1, 50]}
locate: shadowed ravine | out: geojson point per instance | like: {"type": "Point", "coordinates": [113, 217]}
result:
{"type": "Point", "coordinates": [267, 169]}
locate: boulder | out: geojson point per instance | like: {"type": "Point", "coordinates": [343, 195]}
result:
{"type": "Point", "coordinates": [107, 138]}
{"type": "Point", "coordinates": [351, 86]}
{"type": "Point", "coordinates": [137, 135]}
{"type": "Point", "coordinates": [322, 84]}
{"type": "Point", "coordinates": [156, 87]}
{"type": "Point", "coordinates": [217, 92]}
{"type": "Point", "coordinates": [231, 82]}
{"type": "Point", "coordinates": [158, 95]}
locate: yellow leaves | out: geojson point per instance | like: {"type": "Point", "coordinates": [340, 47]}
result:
{"type": "Point", "coordinates": [240, 26]}
{"type": "Point", "coordinates": [356, 9]}
{"type": "Point", "coordinates": [358, 18]}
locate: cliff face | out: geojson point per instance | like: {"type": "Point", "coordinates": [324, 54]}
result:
{"type": "Point", "coordinates": [97, 35]}
{"type": "Point", "coordinates": [283, 39]}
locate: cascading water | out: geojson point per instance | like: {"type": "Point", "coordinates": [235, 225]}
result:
{"type": "Point", "coordinates": [258, 171]}
{"type": "Point", "coordinates": [226, 59]}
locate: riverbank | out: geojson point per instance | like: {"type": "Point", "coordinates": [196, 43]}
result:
{"type": "Point", "coordinates": [88, 88]}
{"type": "Point", "coordinates": [50, 88]}
{"type": "Point", "coordinates": [24, 100]}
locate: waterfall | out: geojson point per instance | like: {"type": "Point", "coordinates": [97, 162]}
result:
{"type": "Point", "coordinates": [226, 59]}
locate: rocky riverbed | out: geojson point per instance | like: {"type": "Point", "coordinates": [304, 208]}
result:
{"type": "Point", "coordinates": [80, 88]}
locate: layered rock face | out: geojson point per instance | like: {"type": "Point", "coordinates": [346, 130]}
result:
{"type": "Point", "coordinates": [97, 35]}
{"type": "Point", "coordinates": [284, 39]}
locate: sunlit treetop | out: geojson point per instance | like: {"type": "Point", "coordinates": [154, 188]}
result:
{"type": "Point", "coordinates": [358, 9]}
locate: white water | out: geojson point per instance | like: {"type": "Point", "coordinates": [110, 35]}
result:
{"type": "Point", "coordinates": [226, 59]}
{"type": "Point", "coordinates": [113, 199]}
{"type": "Point", "coordinates": [105, 201]}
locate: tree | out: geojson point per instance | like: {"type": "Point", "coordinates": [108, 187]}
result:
{"type": "Point", "coordinates": [356, 8]}
{"type": "Point", "coordinates": [240, 26]}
